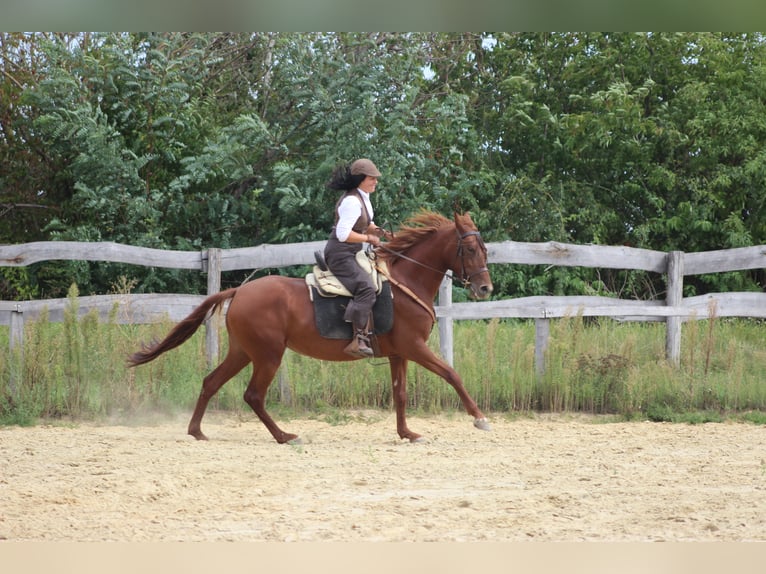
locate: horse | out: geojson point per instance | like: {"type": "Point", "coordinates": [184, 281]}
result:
{"type": "Point", "coordinates": [270, 314]}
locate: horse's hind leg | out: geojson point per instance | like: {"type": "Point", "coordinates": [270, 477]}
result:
{"type": "Point", "coordinates": [255, 395]}
{"type": "Point", "coordinates": [234, 362]}
{"type": "Point", "coordinates": [399, 388]}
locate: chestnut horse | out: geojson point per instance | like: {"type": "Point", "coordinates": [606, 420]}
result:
{"type": "Point", "coordinates": [273, 313]}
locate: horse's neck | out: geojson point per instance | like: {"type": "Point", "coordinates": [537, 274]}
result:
{"type": "Point", "coordinates": [432, 254]}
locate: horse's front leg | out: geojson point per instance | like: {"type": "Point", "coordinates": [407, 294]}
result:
{"type": "Point", "coordinates": [399, 387]}
{"type": "Point", "coordinates": [424, 357]}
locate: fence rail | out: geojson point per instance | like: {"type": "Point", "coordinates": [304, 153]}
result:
{"type": "Point", "coordinates": [673, 310]}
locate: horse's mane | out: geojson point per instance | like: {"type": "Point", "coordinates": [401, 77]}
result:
{"type": "Point", "coordinates": [412, 231]}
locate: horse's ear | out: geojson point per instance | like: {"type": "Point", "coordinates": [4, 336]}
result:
{"type": "Point", "coordinates": [462, 221]}
{"type": "Point", "coordinates": [457, 210]}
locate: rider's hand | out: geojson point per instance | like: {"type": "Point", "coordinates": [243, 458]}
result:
{"type": "Point", "coordinates": [379, 231]}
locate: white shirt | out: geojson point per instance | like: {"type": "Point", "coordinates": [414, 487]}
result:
{"type": "Point", "coordinates": [349, 211]}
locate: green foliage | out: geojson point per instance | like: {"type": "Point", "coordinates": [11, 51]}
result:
{"type": "Point", "coordinates": [16, 285]}
{"type": "Point", "coordinates": [196, 140]}
{"type": "Point", "coordinates": [628, 139]}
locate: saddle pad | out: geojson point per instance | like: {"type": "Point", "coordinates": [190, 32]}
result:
{"type": "Point", "coordinates": [328, 314]}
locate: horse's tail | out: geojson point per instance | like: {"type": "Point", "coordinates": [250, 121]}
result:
{"type": "Point", "coordinates": [183, 330]}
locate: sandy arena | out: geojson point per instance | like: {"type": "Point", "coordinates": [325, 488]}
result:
{"type": "Point", "coordinates": [546, 478]}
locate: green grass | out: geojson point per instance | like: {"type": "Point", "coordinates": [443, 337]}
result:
{"type": "Point", "coordinates": [76, 370]}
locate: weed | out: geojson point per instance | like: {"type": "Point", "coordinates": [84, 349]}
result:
{"type": "Point", "coordinates": [76, 369]}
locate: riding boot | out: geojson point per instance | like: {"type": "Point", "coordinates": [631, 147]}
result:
{"type": "Point", "coordinates": [360, 343]}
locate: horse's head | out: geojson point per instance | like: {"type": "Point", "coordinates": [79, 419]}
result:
{"type": "Point", "coordinates": [471, 259]}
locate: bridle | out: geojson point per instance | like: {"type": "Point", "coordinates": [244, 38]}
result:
{"type": "Point", "coordinates": [466, 279]}
{"type": "Point", "coordinates": [460, 254]}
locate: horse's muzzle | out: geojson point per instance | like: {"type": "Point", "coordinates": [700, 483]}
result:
{"type": "Point", "coordinates": [481, 290]}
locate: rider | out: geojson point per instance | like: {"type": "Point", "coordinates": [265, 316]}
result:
{"type": "Point", "coordinates": [353, 227]}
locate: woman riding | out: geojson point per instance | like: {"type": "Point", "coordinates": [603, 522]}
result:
{"type": "Point", "coordinates": [353, 227]}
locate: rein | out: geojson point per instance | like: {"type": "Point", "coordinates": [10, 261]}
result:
{"type": "Point", "coordinates": [411, 260]}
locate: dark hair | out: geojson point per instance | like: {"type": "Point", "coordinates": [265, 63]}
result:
{"type": "Point", "coordinates": [343, 179]}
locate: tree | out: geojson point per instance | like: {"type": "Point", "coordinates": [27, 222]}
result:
{"type": "Point", "coordinates": [636, 139]}
{"type": "Point", "coordinates": [25, 205]}
{"type": "Point", "coordinates": [193, 140]}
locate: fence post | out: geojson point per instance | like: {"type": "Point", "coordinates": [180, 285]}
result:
{"type": "Point", "coordinates": [213, 322]}
{"type": "Point", "coordinates": [16, 348]}
{"type": "Point", "coordinates": [446, 339]}
{"type": "Point", "coordinates": [675, 287]}
{"type": "Point", "coordinates": [542, 334]}
{"type": "Point", "coordinates": [283, 385]}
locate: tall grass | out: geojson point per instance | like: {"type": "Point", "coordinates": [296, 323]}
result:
{"type": "Point", "coordinates": [76, 369]}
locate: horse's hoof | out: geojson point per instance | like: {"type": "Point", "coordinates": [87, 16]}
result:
{"type": "Point", "coordinates": [418, 439]}
{"type": "Point", "coordinates": [199, 435]}
{"type": "Point", "coordinates": [482, 424]}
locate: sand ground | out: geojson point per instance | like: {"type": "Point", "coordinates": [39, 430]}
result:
{"type": "Point", "coordinates": [545, 478]}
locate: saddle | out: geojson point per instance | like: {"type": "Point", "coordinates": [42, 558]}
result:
{"type": "Point", "coordinates": [327, 285]}
{"type": "Point", "coordinates": [330, 298]}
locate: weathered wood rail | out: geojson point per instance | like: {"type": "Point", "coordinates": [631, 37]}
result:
{"type": "Point", "coordinates": [673, 310]}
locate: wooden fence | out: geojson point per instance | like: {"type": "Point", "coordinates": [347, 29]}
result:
{"type": "Point", "coordinates": [673, 310]}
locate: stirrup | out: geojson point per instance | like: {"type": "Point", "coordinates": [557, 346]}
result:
{"type": "Point", "coordinates": [359, 353]}
{"type": "Point", "coordinates": [359, 346]}
{"type": "Point", "coordinates": [364, 346]}
{"type": "Point", "coordinates": [364, 352]}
